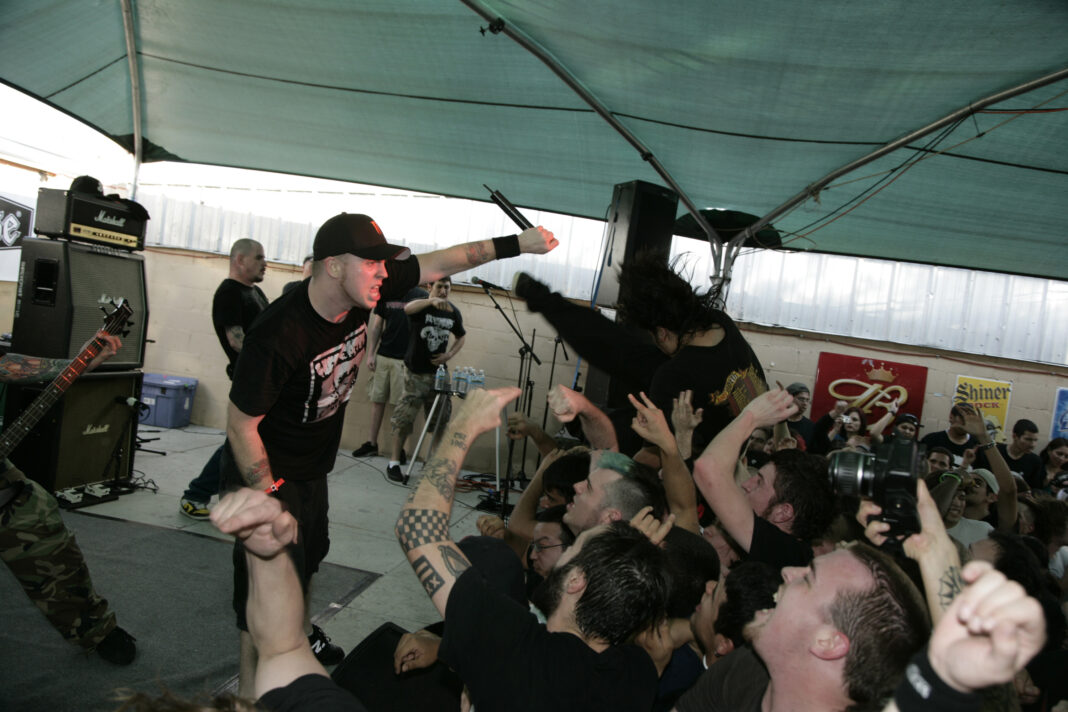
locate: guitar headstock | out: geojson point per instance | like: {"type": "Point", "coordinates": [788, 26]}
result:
{"type": "Point", "coordinates": [116, 320]}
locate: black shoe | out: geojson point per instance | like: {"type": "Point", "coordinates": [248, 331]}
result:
{"type": "Point", "coordinates": [394, 474]}
{"type": "Point", "coordinates": [368, 449]}
{"type": "Point", "coordinates": [403, 457]}
{"type": "Point", "coordinates": [117, 647]}
{"type": "Point", "coordinates": [325, 652]}
{"type": "Point", "coordinates": [534, 292]}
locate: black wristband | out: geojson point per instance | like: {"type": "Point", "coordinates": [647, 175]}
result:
{"type": "Point", "coordinates": [923, 690]}
{"type": "Point", "coordinates": [507, 246]}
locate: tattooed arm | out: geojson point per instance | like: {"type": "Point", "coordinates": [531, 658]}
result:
{"type": "Point", "coordinates": [423, 525]}
{"type": "Point", "coordinates": [932, 549]}
{"type": "Point", "coordinates": [250, 455]}
{"type": "Point", "coordinates": [450, 260]}
{"type": "Point", "coordinates": [17, 368]}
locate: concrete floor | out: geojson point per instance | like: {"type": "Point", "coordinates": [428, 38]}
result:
{"type": "Point", "coordinates": [363, 510]}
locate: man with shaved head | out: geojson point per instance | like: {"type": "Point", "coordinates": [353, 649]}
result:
{"type": "Point", "coordinates": [237, 303]}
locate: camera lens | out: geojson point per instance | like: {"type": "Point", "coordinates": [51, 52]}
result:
{"type": "Point", "coordinates": [851, 473]}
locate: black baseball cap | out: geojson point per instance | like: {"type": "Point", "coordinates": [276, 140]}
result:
{"type": "Point", "coordinates": [355, 234]}
{"type": "Point", "coordinates": [909, 418]}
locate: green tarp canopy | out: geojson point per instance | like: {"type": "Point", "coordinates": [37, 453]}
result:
{"type": "Point", "coordinates": [743, 104]}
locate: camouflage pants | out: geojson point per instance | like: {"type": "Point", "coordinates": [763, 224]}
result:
{"type": "Point", "coordinates": [418, 393]}
{"type": "Point", "coordinates": [46, 560]}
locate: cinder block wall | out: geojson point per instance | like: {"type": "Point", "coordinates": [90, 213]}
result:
{"type": "Point", "coordinates": [183, 343]}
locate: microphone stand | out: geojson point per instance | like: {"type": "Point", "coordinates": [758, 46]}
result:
{"type": "Point", "coordinates": [558, 343]}
{"type": "Point", "coordinates": [526, 355]}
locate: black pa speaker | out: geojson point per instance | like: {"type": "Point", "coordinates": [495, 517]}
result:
{"type": "Point", "coordinates": [88, 436]}
{"type": "Point", "coordinates": [62, 286]}
{"type": "Point", "coordinates": [641, 218]}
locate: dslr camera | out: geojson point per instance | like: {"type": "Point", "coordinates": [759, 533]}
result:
{"type": "Point", "coordinates": [887, 477]}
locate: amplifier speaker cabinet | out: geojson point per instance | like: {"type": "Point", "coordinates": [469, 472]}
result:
{"type": "Point", "coordinates": [62, 286]}
{"type": "Point", "coordinates": [88, 436]}
{"type": "Point", "coordinates": [642, 218]}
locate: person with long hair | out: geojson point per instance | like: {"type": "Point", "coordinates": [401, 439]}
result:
{"type": "Point", "coordinates": [1054, 459]}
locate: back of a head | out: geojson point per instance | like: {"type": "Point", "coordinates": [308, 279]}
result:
{"type": "Point", "coordinates": [562, 474]}
{"type": "Point", "coordinates": [692, 562]}
{"type": "Point", "coordinates": [751, 587]}
{"type": "Point", "coordinates": [626, 584]}
{"type": "Point", "coordinates": [885, 624]}
{"type": "Point", "coordinates": [803, 482]}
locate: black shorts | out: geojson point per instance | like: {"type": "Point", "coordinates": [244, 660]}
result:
{"type": "Point", "coordinates": [309, 503]}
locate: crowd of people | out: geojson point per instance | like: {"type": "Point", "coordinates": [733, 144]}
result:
{"type": "Point", "coordinates": [704, 547]}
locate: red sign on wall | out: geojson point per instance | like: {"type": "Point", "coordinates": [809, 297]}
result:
{"type": "Point", "coordinates": [870, 384]}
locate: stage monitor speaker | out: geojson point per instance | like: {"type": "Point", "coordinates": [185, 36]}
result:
{"type": "Point", "coordinates": [61, 287]}
{"type": "Point", "coordinates": [641, 218]}
{"type": "Point", "coordinates": [88, 436]}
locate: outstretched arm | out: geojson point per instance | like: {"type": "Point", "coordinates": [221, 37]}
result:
{"type": "Point", "coordinates": [567, 404]}
{"type": "Point", "coordinates": [519, 427]}
{"type": "Point", "coordinates": [714, 470]}
{"type": "Point", "coordinates": [651, 425]}
{"type": "Point", "coordinates": [275, 600]}
{"type": "Point", "coordinates": [973, 423]}
{"type": "Point", "coordinates": [17, 368]}
{"type": "Point", "coordinates": [423, 525]}
{"type": "Point", "coordinates": [450, 260]}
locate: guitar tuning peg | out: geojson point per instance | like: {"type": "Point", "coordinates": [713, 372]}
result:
{"type": "Point", "coordinates": [125, 333]}
{"type": "Point", "coordinates": [101, 308]}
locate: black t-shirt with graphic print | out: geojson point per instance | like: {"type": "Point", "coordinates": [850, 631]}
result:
{"type": "Point", "coordinates": [428, 335]}
{"type": "Point", "coordinates": [297, 369]}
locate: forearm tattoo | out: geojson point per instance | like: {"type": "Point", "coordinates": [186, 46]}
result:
{"type": "Point", "coordinates": [441, 473]}
{"type": "Point", "coordinates": [949, 586]}
{"type": "Point", "coordinates": [427, 575]}
{"type": "Point", "coordinates": [259, 473]}
{"type": "Point", "coordinates": [416, 527]}
{"type": "Point", "coordinates": [477, 254]}
{"type": "Point", "coordinates": [16, 368]}
{"type": "Point", "coordinates": [459, 440]}
{"type": "Point", "coordinates": [455, 563]}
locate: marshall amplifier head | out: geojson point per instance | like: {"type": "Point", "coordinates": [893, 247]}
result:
{"type": "Point", "coordinates": [91, 217]}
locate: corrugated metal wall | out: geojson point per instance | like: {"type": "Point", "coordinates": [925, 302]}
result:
{"type": "Point", "coordinates": [911, 304]}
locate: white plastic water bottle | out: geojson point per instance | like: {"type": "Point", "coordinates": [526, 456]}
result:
{"type": "Point", "coordinates": [461, 381]}
{"type": "Point", "coordinates": [480, 378]}
{"type": "Point", "coordinates": [441, 378]}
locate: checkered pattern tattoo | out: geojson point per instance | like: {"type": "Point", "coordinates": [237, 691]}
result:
{"type": "Point", "coordinates": [416, 527]}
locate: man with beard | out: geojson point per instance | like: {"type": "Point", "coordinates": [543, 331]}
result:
{"type": "Point", "coordinates": [609, 586]}
{"type": "Point", "coordinates": [777, 512]}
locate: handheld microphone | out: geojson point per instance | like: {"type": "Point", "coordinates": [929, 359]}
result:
{"type": "Point", "coordinates": [487, 285]}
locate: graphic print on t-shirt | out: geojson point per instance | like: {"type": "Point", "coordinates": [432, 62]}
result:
{"type": "Point", "coordinates": [436, 332]}
{"type": "Point", "coordinates": [332, 374]}
{"type": "Point", "coordinates": [739, 389]}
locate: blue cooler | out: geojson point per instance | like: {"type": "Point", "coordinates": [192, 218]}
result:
{"type": "Point", "coordinates": [169, 400]}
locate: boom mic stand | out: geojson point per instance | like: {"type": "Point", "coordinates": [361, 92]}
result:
{"type": "Point", "coordinates": [558, 343]}
{"type": "Point", "coordinates": [524, 382]}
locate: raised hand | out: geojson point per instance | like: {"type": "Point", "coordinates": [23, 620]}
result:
{"type": "Point", "coordinates": [481, 410]}
{"type": "Point", "coordinates": [990, 631]}
{"type": "Point", "coordinates": [518, 426]}
{"type": "Point", "coordinates": [650, 423]}
{"type": "Point", "coordinates": [650, 526]}
{"type": "Point", "coordinates": [565, 403]}
{"type": "Point", "coordinates": [257, 519]}
{"type": "Point", "coordinates": [683, 416]}
{"type": "Point", "coordinates": [537, 240]}
{"type": "Point", "coordinates": [770, 408]}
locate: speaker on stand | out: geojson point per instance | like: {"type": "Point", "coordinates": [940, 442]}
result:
{"type": "Point", "coordinates": [641, 219]}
